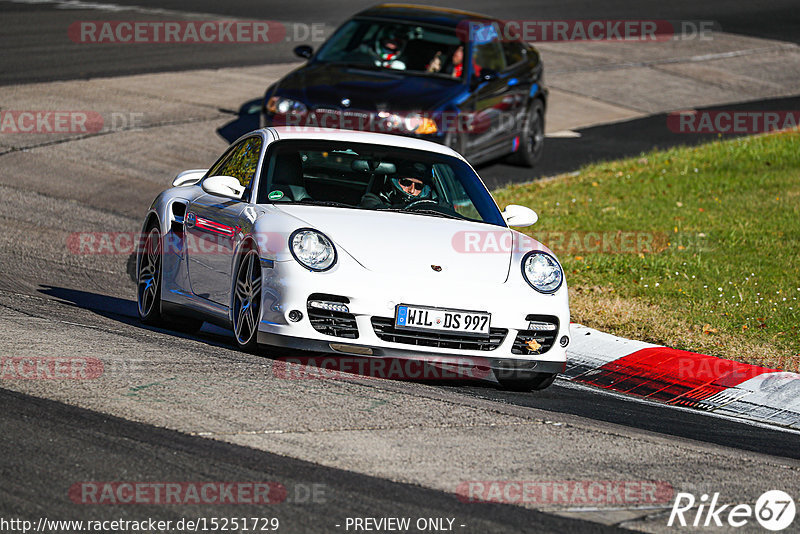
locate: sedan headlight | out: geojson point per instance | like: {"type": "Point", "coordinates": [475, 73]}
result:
{"type": "Point", "coordinates": [285, 106]}
{"type": "Point", "coordinates": [312, 249]}
{"type": "Point", "coordinates": [413, 122]}
{"type": "Point", "coordinates": [542, 272]}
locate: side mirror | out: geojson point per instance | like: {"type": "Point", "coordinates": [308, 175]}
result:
{"type": "Point", "coordinates": [223, 186]}
{"type": "Point", "coordinates": [515, 215]}
{"type": "Point", "coordinates": [303, 51]}
{"type": "Point", "coordinates": [190, 177]}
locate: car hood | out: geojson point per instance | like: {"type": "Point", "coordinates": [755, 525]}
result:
{"type": "Point", "coordinates": [409, 244]}
{"type": "Point", "coordinates": [325, 85]}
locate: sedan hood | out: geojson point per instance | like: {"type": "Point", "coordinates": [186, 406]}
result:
{"type": "Point", "coordinates": [409, 244]}
{"type": "Point", "coordinates": [325, 85]}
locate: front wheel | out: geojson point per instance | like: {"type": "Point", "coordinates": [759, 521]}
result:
{"type": "Point", "coordinates": [524, 380]}
{"type": "Point", "coordinates": [247, 301]}
{"type": "Point", "coordinates": [531, 145]}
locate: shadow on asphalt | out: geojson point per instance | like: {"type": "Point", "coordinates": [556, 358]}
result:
{"type": "Point", "coordinates": [247, 120]}
{"type": "Point", "coordinates": [303, 364]}
{"type": "Point", "coordinates": [126, 312]}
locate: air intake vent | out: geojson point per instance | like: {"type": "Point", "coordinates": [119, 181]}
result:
{"type": "Point", "coordinates": [539, 338]}
{"type": "Point", "coordinates": [330, 315]}
{"type": "Point", "coordinates": [385, 330]}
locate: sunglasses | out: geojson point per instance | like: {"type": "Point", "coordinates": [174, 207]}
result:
{"type": "Point", "coordinates": [407, 182]}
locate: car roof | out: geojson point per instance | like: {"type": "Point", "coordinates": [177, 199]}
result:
{"type": "Point", "coordinates": [353, 136]}
{"type": "Point", "coordinates": [423, 14]}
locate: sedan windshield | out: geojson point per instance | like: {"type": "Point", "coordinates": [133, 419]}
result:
{"type": "Point", "coordinates": [398, 46]}
{"type": "Point", "coordinates": [374, 177]}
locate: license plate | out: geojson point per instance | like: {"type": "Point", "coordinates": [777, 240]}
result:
{"type": "Point", "coordinates": [426, 318]}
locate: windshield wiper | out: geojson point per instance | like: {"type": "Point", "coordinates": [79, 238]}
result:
{"type": "Point", "coordinates": [436, 213]}
{"type": "Point", "coordinates": [323, 203]}
{"type": "Point", "coordinates": [424, 212]}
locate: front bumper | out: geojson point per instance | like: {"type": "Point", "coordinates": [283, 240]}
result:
{"type": "Point", "coordinates": [345, 348]}
{"type": "Point", "coordinates": [372, 298]}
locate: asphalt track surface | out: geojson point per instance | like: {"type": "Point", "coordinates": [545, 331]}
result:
{"type": "Point", "coordinates": [56, 304]}
{"type": "Point", "coordinates": [36, 46]}
{"type": "Point", "coordinates": [70, 443]}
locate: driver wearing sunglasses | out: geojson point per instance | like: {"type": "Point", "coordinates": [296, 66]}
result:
{"type": "Point", "coordinates": [411, 184]}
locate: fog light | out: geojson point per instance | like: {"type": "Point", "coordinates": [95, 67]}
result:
{"type": "Point", "coordinates": [328, 305]}
{"type": "Point", "coordinates": [564, 341]}
{"type": "Point", "coordinates": [295, 315]}
{"type": "Point", "coordinates": [540, 326]}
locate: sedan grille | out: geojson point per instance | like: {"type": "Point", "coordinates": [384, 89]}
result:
{"type": "Point", "coordinates": [385, 329]}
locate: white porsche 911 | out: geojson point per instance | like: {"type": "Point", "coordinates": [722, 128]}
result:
{"type": "Point", "coordinates": [354, 243]}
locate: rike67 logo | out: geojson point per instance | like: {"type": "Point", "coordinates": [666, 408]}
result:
{"type": "Point", "coordinates": [774, 510]}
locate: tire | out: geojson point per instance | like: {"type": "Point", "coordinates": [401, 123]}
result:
{"type": "Point", "coordinates": [148, 287]}
{"type": "Point", "coordinates": [524, 380]}
{"type": "Point", "coordinates": [247, 301]}
{"type": "Point", "coordinates": [531, 145]}
{"type": "Point", "coordinates": [148, 278]}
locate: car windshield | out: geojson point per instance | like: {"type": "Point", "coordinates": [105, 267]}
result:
{"type": "Point", "coordinates": [374, 177]}
{"type": "Point", "coordinates": [398, 46]}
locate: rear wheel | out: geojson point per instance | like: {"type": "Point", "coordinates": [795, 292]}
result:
{"type": "Point", "coordinates": [148, 295]}
{"type": "Point", "coordinates": [149, 279]}
{"type": "Point", "coordinates": [247, 301]}
{"type": "Point", "coordinates": [531, 145]}
{"type": "Point", "coordinates": [514, 380]}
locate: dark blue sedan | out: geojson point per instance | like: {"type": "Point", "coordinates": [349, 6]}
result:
{"type": "Point", "coordinates": [448, 76]}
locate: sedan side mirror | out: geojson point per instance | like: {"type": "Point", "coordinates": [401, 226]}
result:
{"type": "Point", "coordinates": [189, 177]}
{"type": "Point", "coordinates": [223, 186]}
{"type": "Point", "coordinates": [516, 215]}
{"type": "Point", "coordinates": [303, 51]}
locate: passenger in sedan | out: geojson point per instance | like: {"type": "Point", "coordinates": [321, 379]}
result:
{"type": "Point", "coordinates": [456, 65]}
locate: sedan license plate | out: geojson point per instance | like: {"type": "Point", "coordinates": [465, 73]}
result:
{"type": "Point", "coordinates": [425, 318]}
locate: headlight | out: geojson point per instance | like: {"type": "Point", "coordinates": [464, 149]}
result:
{"type": "Point", "coordinates": [413, 122]}
{"type": "Point", "coordinates": [284, 106]}
{"type": "Point", "coordinates": [542, 272]}
{"type": "Point", "coordinates": [312, 249]}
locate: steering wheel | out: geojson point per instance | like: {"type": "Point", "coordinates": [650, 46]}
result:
{"type": "Point", "coordinates": [422, 201]}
